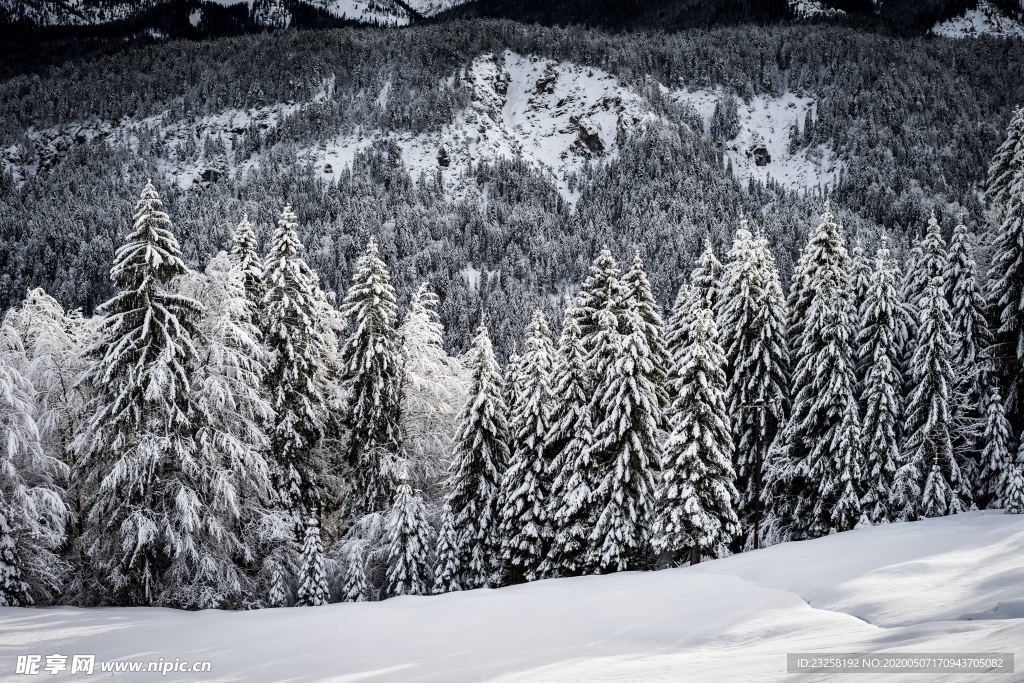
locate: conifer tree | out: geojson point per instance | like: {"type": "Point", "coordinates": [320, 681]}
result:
{"type": "Point", "coordinates": [296, 375]}
{"type": "Point", "coordinates": [1006, 295]}
{"type": "Point", "coordinates": [1013, 493]}
{"type": "Point", "coordinates": [524, 526]}
{"type": "Point", "coordinates": [602, 289]}
{"type": "Point", "coordinates": [860, 271]}
{"type": "Point", "coordinates": [312, 576]}
{"type": "Point", "coordinates": [967, 312]}
{"type": "Point", "coordinates": [479, 460]}
{"type": "Point", "coordinates": [996, 454]}
{"type": "Point", "coordinates": [246, 258]}
{"type": "Point", "coordinates": [408, 543]}
{"type": "Point", "coordinates": [1007, 163]}
{"type": "Point", "coordinates": [371, 377]}
{"type": "Point", "coordinates": [446, 565]}
{"type": "Point", "coordinates": [707, 276]}
{"type": "Point", "coordinates": [513, 391]}
{"type": "Point", "coordinates": [930, 480]}
{"type": "Point", "coordinates": [354, 589]}
{"type": "Point", "coordinates": [626, 450]}
{"type": "Point", "coordinates": [695, 503]}
{"type": "Point", "coordinates": [278, 596]}
{"type": "Point", "coordinates": [638, 294]}
{"type": "Point", "coordinates": [753, 332]}
{"type": "Point", "coordinates": [677, 330]}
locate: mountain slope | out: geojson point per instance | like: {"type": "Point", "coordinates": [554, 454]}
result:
{"type": "Point", "coordinates": [941, 585]}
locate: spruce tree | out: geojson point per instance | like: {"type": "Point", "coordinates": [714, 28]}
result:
{"type": "Point", "coordinates": [638, 296]}
{"type": "Point", "coordinates": [479, 460]}
{"type": "Point", "coordinates": [996, 454]}
{"type": "Point", "coordinates": [930, 480]}
{"type": "Point", "coordinates": [1013, 492]}
{"type": "Point", "coordinates": [371, 378]}
{"type": "Point", "coordinates": [677, 330]}
{"type": "Point", "coordinates": [524, 526]}
{"type": "Point", "coordinates": [354, 588]}
{"type": "Point", "coordinates": [408, 544]}
{"type": "Point", "coordinates": [706, 276]}
{"type": "Point", "coordinates": [246, 258]}
{"type": "Point", "coordinates": [602, 289]}
{"type": "Point", "coordinates": [446, 565]}
{"type": "Point", "coordinates": [971, 335]}
{"type": "Point", "coordinates": [278, 595]}
{"type": "Point", "coordinates": [312, 576]}
{"type": "Point", "coordinates": [752, 317]}
{"type": "Point", "coordinates": [1007, 163]}
{"type": "Point", "coordinates": [626, 449]}
{"type": "Point", "coordinates": [860, 271]}
{"type": "Point", "coordinates": [695, 502]}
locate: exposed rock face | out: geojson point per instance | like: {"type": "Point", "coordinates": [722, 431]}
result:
{"type": "Point", "coordinates": [761, 155]}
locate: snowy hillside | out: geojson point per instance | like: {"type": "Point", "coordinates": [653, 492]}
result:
{"type": "Point", "coordinates": [985, 19]}
{"type": "Point", "coordinates": [941, 585]}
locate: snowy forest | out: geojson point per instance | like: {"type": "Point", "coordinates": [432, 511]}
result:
{"type": "Point", "coordinates": [243, 436]}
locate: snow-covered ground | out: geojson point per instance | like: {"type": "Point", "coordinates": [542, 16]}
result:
{"type": "Point", "coordinates": [985, 19]}
{"type": "Point", "coordinates": [948, 585]}
{"type": "Point", "coordinates": [807, 9]}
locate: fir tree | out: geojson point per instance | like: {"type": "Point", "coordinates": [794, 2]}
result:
{"type": "Point", "coordinates": [626, 450]}
{"type": "Point", "coordinates": [408, 544]}
{"type": "Point", "coordinates": [479, 459]}
{"type": "Point", "coordinates": [354, 589]}
{"type": "Point", "coordinates": [1008, 162]}
{"type": "Point", "coordinates": [446, 566]}
{"type": "Point", "coordinates": [1013, 493]}
{"type": "Point", "coordinates": [371, 378]}
{"type": "Point", "coordinates": [524, 527]}
{"type": "Point", "coordinates": [695, 505]}
{"type": "Point", "coordinates": [278, 596]}
{"type": "Point", "coordinates": [967, 312]}
{"type": "Point", "coordinates": [677, 330]}
{"type": "Point", "coordinates": [996, 454]}
{"type": "Point", "coordinates": [602, 289]}
{"type": "Point", "coordinates": [312, 576]}
{"type": "Point", "coordinates": [860, 271]}
{"type": "Point", "coordinates": [246, 258]}
{"type": "Point", "coordinates": [707, 276]}
{"type": "Point", "coordinates": [638, 295]}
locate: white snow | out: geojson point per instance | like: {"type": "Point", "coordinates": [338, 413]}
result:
{"type": "Point", "coordinates": [945, 585]}
{"type": "Point", "coordinates": [367, 11]}
{"type": "Point", "coordinates": [807, 9]}
{"type": "Point", "coordinates": [195, 16]}
{"type": "Point", "coordinates": [985, 19]}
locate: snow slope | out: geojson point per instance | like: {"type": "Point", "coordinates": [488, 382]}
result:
{"type": "Point", "coordinates": [943, 585]}
{"type": "Point", "coordinates": [985, 19]}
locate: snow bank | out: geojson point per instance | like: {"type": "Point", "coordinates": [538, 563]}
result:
{"type": "Point", "coordinates": [985, 19]}
{"type": "Point", "coordinates": [943, 585]}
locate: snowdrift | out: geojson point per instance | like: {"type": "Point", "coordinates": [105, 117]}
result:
{"type": "Point", "coordinates": [943, 585]}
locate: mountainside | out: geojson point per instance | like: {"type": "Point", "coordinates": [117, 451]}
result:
{"type": "Point", "coordinates": [941, 585]}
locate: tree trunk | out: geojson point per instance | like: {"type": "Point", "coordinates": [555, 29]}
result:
{"type": "Point", "coordinates": [694, 556]}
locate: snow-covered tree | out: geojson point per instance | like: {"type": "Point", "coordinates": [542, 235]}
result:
{"type": "Point", "coordinates": [1008, 161]}
{"type": "Point", "coordinates": [638, 296]}
{"type": "Point", "coordinates": [626, 449]}
{"type": "Point", "coordinates": [601, 290]}
{"type": "Point", "coordinates": [524, 527]}
{"type": "Point", "coordinates": [971, 335]}
{"type": "Point", "coordinates": [446, 564]}
{"type": "Point", "coordinates": [1006, 294]}
{"type": "Point", "coordinates": [371, 377]}
{"type": "Point", "coordinates": [296, 374]}
{"type": "Point", "coordinates": [860, 271]}
{"type": "Point", "coordinates": [434, 385]}
{"type": "Point", "coordinates": [677, 329]}
{"type": "Point", "coordinates": [278, 594]}
{"type": "Point", "coordinates": [479, 459]}
{"type": "Point", "coordinates": [312, 575]}
{"type": "Point", "coordinates": [930, 479]}
{"type": "Point", "coordinates": [354, 588]}
{"type": "Point", "coordinates": [752, 317]}
{"type": "Point", "coordinates": [695, 502]}
{"type": "Point", "coordinates": [996, 453]}
{"type": "Point", "coordinates": [706, 276]}
{"type": "Point", "coordinates": [512, 392]}
{"type": "Point", "coordinates": [409, 544]}
{"type": "Point", "coordinates": [1013, 492]}
{"type": "Point", "coordinates": [245, 255]}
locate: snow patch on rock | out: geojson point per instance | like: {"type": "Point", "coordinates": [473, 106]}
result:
{"type": "Point", "coordinates": [983, 20]}
{"type": "Point", "coordinates": [809, 9]}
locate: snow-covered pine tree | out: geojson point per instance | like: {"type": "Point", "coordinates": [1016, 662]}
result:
{"type": "Point", "coordinates": [971, 336]}
{"type": "Point", "coordinates": [479, 459]}
{"type": "Point", "coordinates": [934, 260]}
{"type": "Point", "coordinates": [1007, 162]}
{"type": "Point", "coordinates": [434, 385]}
{"type": "Point", "coordinates": [880, 344]}
{"type": "Point", "coordinates": [638, 295]}
{"type": "Point", "coordinates": [930, 478]}
{"type": "Point", "coordinates": [626, 449]}
{"type": "Point", "coordinates": [354, 588]}
{"type": "Point", "coordinates": [860, 271]}
{"type": "Point", "coordinates": [295, 377]}
{"type": "Point", "coordinates": [695, 501]}
{"type": "Point", "coordinates": [602, 289]}
{"type": "Point", "coordinates": [512, 392]}
{"type": "Point", "coordinates": [996, 454]}
{"type": "Point", "coordinates": [524, 528]}
{"type": "Point", "coordinates": [33, 513]}
{"type": "Point", "coordinates": [818, 454]}
{"type": "Point", "coordinates": [371, 378]}
{"type": "Point", "coordinates": [706, 276]}
{"type": "Point", "coordinates": [408, 544]}
{"type": "Point", "coordinates": [312, 577]}
{"type": "Point", "coordinates": [677, 329]}
{"type": "Point", "coordinates": [752, 315]}
{"type": "Point", "coordinates": [245, 255]}
{"type": "Point", "coordinates": [141, 421]}
{"type": "Point", "coordinates": [446, 563]}
{"type": "Point", "coordinates": [278, 595]}
{"type": "Point", "coordinates": [915, 281]}
{"type": "Point", "coordinates": [1013, 492]}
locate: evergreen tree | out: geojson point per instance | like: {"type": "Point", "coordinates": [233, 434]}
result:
{"type": "Point", "coordinates": [524, 528]}
{"type": "Point", "coordinates": [930, 480]}
{"type": "Point", "coordinates": [1008, 162]}
{"type": "Point", "coordinates": [354, 588]}
{"type": "Point", "coordinates": [707, 276]}
{"type": "Point", "coordinates": [695, 504]}
{"type": "Point", "coordinates": [446, 566]}
{"type": "Point", "coordinates": [638, 295]}
{"type": "Point", "coordinates": [677, 330]}
{"type": "Point", "coordinates": [296, 375]}
{"type": "Point", "coordinates": [626, 450]}
{"type": "Point", "coordinates": [996, 454]}
{"type": "Point", "coordinates": [967, 312]}
{"type": "Point", "coordinates": [752, 315]}
{"type": "Point", "coordinates": [602, 289]}
{"type": "Point", "coordinates": [371, 378]}
{"type": "Point", "coordinates": [513, 392]}
{"type": "Point", "coordinates": [312, 576]}
{"type": "Point", "coordinates": [408, 543]}
{"type": "Point", "coordinates": [278, 596]}
{"type": "Point", "coordinates": [479, 459]}
{"type": "Point", "coordinates": [860, 271]}
{"type": "Point", "coordinates": [246, 258]}
{"type": "Point", "coordinates": [1013, 493]}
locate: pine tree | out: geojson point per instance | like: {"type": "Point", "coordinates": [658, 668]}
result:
{"type": "Point", "coordinates": [752, 315]}
{"type": "Point", "coordinates": [638, 295]}
{"type": "Point", "coordinates": [677, 330]}
{"type": "Point", "coordinates": [312, 576]}
{"type": "Point", "coordinates": [695, 504]}
{"type": "Point", "coordinates": [513, 394]}
{"type": "Point", "coordinates": [626, 450]}
{"type": "Point", "coordinates": [860, 271]}
{"type": "Point", "coordinates": [246, 258]}
{"type": "Point", "coordinates": [996, 454]}
{"type": "Point", "coordinates": [1008, 162]}
{"type": "Point", "coordinates": [479, 459]}
{"type": "Point", "coordinates": [141, 423]}
{"type": "Point", "coordinates": [446, 566]}
{"type": "Point", "coordinates": [296, 375]}
{"type": "Point", "coordinates": [967, 312]}
{"type": "Point", "coordinates": [602, 289]}
{"type": "Point", "coordinates": [524, 526]}
{"type": "Point", "coordinates": [371, 378]}
{"type": "Point", "coordinates": [408, 543]}
{"type": "Point", "coordinates": [354, 589]}
{"type": "Point", "coordinates": [707, 276]}
{"type": "Point", "coordinates": [1013, 493]}
{"type": "Point", "coordinates": [930, 480]}
{"type": "Point", "coordinates": [278, 596]}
